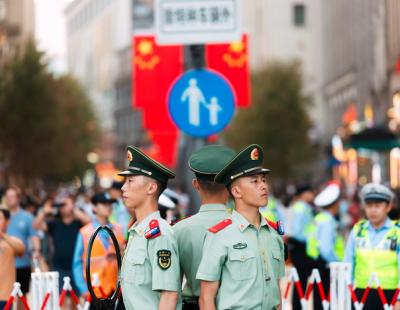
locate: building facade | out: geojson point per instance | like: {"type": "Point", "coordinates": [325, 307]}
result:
{"type": "Point", "coordinates": [288, 31]}
{"type": "Point", "coordinates": [17, 24]}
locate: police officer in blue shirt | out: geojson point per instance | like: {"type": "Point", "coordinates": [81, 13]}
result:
{"type": "Point", "coordinates": [324, 244]}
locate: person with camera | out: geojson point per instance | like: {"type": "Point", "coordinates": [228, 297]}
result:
{"type": "Point", "coordinates": [61, 220]}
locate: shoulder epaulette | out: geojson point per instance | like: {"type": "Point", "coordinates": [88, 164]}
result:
{"type": "Point", "coordinates": [219, 226]}
{"type": "Point", "coordinates": [153, 231]}
{"type": "Point", "coordinates": [278, 226]}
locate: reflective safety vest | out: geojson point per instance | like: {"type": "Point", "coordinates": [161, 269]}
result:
{"type": "Point", "coordinates": [103, 261]}
{"type": "Point", "coordinates": [312, 247]}
{"type": "Point", "coordinates": [381, 260]}
{"type": "Point", "coordinates": [271, 210]}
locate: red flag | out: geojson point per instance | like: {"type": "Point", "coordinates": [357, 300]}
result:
{"type": "Point", "coordinates": [231, 60]}
{"type": "Point", "coordinates": [154, 69]}
{"type": "Point", "coordinates": [398, 65]}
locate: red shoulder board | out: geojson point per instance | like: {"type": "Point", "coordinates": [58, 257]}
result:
{"type": "Point", "coordinates": [153, 231]}
{"type": "Point", "coordinates": [219, 226]}
{"type": "Point", "coordinates": [278, 226]}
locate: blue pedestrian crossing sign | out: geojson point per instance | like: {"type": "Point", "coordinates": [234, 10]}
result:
{"type": "Point", "coordinates": [201, 102]}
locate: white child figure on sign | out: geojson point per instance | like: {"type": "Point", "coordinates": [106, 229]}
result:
{"type": "Point", "coordinates": [195, 97]}
{"type": "Point", "coordinates": [213, 108]}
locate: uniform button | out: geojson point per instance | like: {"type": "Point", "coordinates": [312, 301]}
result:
{"type": "Point", "coordinates": [242, 258]}
{"type": "Point", "coordinates": [267, 278]}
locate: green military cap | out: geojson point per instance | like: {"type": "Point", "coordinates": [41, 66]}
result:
{"type": "Point", "coordinates": [247, 162]}
{"type": "Point", "coordinates": [207, 161]}
{"type": "Point", "coordinates": [141, 164]}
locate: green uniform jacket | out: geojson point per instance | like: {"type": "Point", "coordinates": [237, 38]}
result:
{"type": "Point", "coordinates": [190, 234]}
{"type": "Point", "coordinates": [149, 265]}
{"type": "Point", "coordinates": [247, 262]}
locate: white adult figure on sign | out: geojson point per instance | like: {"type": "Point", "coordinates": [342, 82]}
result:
{"type": "Point", "coordinates": [214, 108]}
{"type": "Point", "coordinates": [195, 97]}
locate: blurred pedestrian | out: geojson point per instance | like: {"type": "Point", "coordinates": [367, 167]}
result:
{"type": "Point", "coordinates": [119, 214]}
{"type": "Point", "coordinates": [21, 226]}
{"type": "Point", "coordinates": [324, 243]}
{"type": "Point", "coordinates": [190, 233]}
{"type": "Point", "coordinates": [373, 247]}
{"type": "Point", "coordinates": [10, 247]}
{"type": "Point", "coordinates": [301, 220]}
{"type": "Point", "coordinates": [103, 257]}
{"type": "Point", "coordinates": [62, 221]}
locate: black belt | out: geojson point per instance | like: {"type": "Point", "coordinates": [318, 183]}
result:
{"type": "Point", "coordinates": [194, 301]}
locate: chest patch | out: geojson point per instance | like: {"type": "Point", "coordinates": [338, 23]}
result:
{"type": "Point", "coordinates": [240, 246]}
{"type": "Point", "coordinates": [164, 259]}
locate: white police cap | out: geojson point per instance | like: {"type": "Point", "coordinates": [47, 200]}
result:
{"type": "Point", "coordinates": [375, 191]}
{"type": "Point", "coordinates": [166, 202]}
{"type": "Point", "coordinates": [328, 195]}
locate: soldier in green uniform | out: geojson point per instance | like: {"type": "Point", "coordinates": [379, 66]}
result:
{"type": "Point", "coordinates": [243, 256]}
{"type": "Point", "coordinates": [190, 233]}
{"type": "Point", "coordinates": [150, 268]}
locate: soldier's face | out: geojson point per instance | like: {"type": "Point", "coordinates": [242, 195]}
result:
{"type": "Point", "coordinates": [134, 191]}
{"type": "Point", "coordinates": [253, 190]}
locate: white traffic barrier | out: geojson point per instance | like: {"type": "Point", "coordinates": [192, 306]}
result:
{"type": "Point", "coordinates": [339, 278]}
{"type": "Point", "coordinates": [294, 281]}
{"type": "Point", "coordinates": [96, 287]}
{"type": "Point", "coordinates": [315, 278]}
{"type": "Point", "coordinates": [16, 293]}
{"type": "Point", "coordinates": [45, 291]}
{"type": "Point", "coordinates": [67, 288]}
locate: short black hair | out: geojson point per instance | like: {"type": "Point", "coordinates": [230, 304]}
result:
{"type": "Point", "coordinates": [211, 187]}
{"type": "Point", "coordinates": [5, 212]}
{"type": "Point", "coordinates": [160, 188]}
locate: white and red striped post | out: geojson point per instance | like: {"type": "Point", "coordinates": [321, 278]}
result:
{"type": "Point", "coordinates": [96, 286]}
{"type": "Point", "coordinates": [395, 296]}
{"type": "Point", "coordinates": [67, 288]}
{"type": "Point", "coordinates": [16, 292]}
{"type": "Point", "coordinates": [294, 278]}
{"type": "Point", "coordinates": [381, 294]}
{"type": "Point", "coordinates": [359, 305]}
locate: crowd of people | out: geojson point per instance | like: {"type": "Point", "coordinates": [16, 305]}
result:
{"type": "Point", "coordinates": [51, 231]}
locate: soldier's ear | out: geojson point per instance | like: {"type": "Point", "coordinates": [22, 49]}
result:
{"type": "Point", "coordinates": [195, 184]}
{"type": "Point", "coordinates": [152, 188]}
{"type": "Point", "coordinates": [235, 191]}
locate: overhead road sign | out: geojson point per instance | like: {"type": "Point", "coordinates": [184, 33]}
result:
{"type": "Point", "coordinates": [197, 21]}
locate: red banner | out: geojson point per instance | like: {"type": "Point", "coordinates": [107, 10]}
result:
{"type": "Point", "coordinates": [154, 69]}
{"type": "Point", "coordinates": [232, 61]}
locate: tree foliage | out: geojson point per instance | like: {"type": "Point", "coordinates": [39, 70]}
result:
{"type": "Point", "coordinates": [47, 125]}
{"type": "Point", "coordinates": [277, 119]}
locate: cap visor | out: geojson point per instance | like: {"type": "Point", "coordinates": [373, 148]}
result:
{"type": "Point", "coordinates": [127, 173]}
{"type": "Point", "coordinates": [257, 171]}
{"type": "Point", "coordinates": [376, 199]}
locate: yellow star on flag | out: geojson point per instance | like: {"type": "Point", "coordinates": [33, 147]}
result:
{"type": "Point", "coordinates": [236, 47]}
{"type": "Point", "coordinates": [145, 47]}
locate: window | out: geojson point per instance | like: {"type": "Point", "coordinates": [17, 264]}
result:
{"type": "Point", "coordinates": [299, 15]}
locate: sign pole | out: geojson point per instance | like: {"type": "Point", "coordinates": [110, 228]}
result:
{"type": "Point", "coordinates": [194, 59]}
